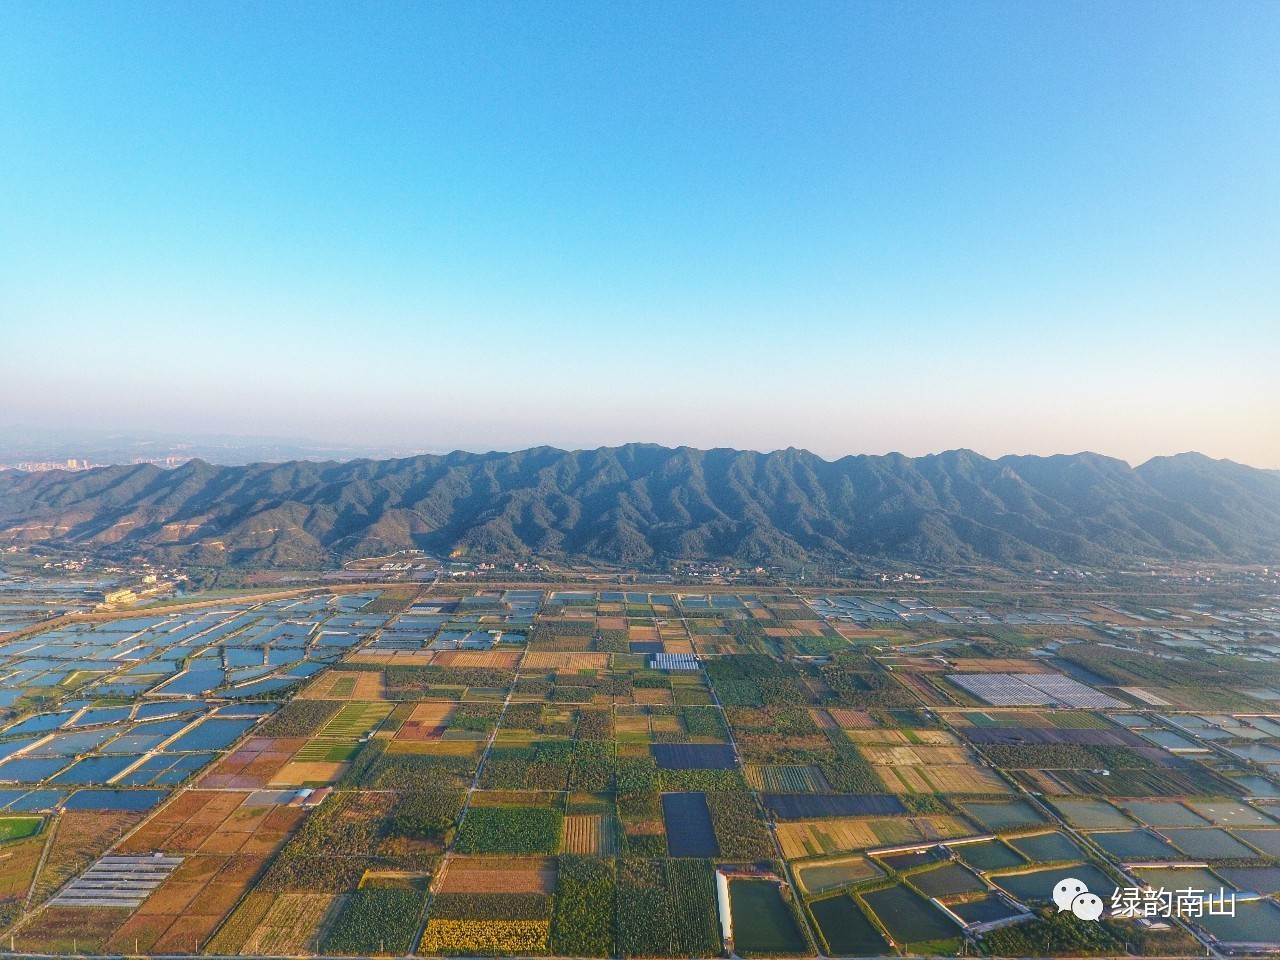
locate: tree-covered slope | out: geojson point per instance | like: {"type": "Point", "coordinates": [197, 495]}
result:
{"type": "Point", "coordinates": [644, 503]}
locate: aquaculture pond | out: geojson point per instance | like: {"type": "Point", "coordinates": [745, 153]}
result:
{"type": "Point", "coordinates": [909, 917]}
{"type": "Point", "coordinates": [1164, 813]}
{"type": "Point", "coordinates": [988, 855]}
{"type": "Point", "coordinates": [95, 770]}
{"type": "Point", "coordinates": [986, 910]}
{"type": "Point", "coordinates": [1256, 921]}
{"type": "Point", "coordinates": [1264, 880]}
{"type": "Point", "coordinates": [1268, 841]}
{"type": "Point", "coordinates": [1258, 786]}
{"type": "Point", "coordinates": [1091, 814]}
{"type": "Point", "coordinates": [35, 801]}
{"type": "Point", "coordinates": [1037, 886]}
{"type": "Point", "coordinates": [1211, 844]}
{"type": "Point", "coordinates": [947, 880]}
{"type": "Point", "coordinates": [1135, 845]}
{"type": "Point", "coordinates": [137, 800]}
{"type": "Point", "coordinates": [847, 930]}
{"type": "Point", "coordinates": [214, 734]}
{"type": "Point", "coordinates": [1228, 813]}
{"type": "Point", "coordinates": [1180, 878]}
{"type": "Point", "coordinates": [822, 877]}
{"type": "Point", "coordinates": [762, 920]}
{"type": "Point", "coordinates": [910, 859]}
{"type": "Point", "coordinates": [1047, 848]}
{"type": "Point", "coordinates": [1001, 814]}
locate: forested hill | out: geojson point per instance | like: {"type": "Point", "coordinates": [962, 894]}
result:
{"type": "Point", "coordinates": [647, 504]}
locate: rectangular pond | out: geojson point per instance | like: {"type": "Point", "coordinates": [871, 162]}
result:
{"type": "Point", "coordinates": [762, 921]}
{"type": "Point", "coordinates": [909, 917]}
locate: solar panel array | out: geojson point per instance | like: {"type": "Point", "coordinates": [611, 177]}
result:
{"type": "Point", "coordinates": [117, 882]}
{"type": "Point", "coordinates": [1069, 692]}
{"type": "Point", "coordinates": [673, 661]}
{"type": "Point", "coordinates": [1000, 689]}
{"type": "Point", "coordinates": [1031, 690]}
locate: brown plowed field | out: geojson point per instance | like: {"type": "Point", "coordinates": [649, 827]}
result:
{"type": "Point", "coordinates": [427, 721]}
{"type": "Point", "coordinates": [852, 719]}
{"type": "Point", "coordinates": [253, 764]}
{"type": "Point", "coordinates": [590, 833]}
{"type": "Point", "coordinates": [214, 821]}
{"type": "Point", "coordinates": [486, 659]}
{"type": "Point", "coordinates": [499, 875]}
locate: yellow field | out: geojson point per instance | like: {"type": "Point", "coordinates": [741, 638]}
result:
{"type": "Point", "coordinates": [485, 938]}
{"type": "Point", "coordinates": [301, 773]}
{"type": "Point", "coordinates": [346, 685]}
{"type": "Point", "coordinates": [913, 755]}
{"type": "Point", "coordinates": [955, 778]}
{"type": "Point", "coordinates": [432, 712]}
{"type": "Point", "coordinates": [916, 664]}
{"type": "Point", "coordinates": [819, 838]}
{"type": "Point", "coordinates": [439, 748]}
{"type": "Point", "coordinates": [936, 738]}
{"type": "Point", "coordinates": [917, 768]}
{"type": "Point", "coordinates": [565, 662]}
{"type": "Point", "coordinates": [488, 659]}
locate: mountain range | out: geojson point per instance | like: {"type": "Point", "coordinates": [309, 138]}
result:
{"type": "Point", "coordinates": [645, 504]}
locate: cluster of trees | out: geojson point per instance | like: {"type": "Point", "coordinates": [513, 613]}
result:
{"type": "Point", "coordinates": [740, 832]}
{"type": "Point", "coordinates": [376, 920]}
{"type": "Point", "coordinates": [509, 830]}
{"type": "Point", "coordinates": [542, 766]}
{"type": "Point", "coordinates": [593, 765]}
{"type": "Point", "coordinates": [666, 908]}
{"type": "Point", "coordinates": [407, 682]}
{"type": "Point", "coordinates": [299, 718]}
{"type": "Point", "coordinates": [582, 925]}
{"type": "Point", "coordinates": [1062, 756]}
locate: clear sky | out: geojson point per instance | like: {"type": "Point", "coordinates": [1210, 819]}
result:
{"type": "Point", "coordinates": [853, 227]}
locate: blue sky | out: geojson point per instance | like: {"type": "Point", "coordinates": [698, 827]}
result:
{"type": "Point", "coordinates": [1015, 227]}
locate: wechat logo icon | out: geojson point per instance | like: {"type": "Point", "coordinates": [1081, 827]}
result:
{"type": "Point", "coordinates": [1071, 894]}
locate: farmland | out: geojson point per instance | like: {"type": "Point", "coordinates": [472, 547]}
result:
{"type": "Point", "coordinates": [554, 792]}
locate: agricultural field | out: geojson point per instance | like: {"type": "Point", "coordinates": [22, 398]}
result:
{"type": "Point", "coordinates": [473, 771]}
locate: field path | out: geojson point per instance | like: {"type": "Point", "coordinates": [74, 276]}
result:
{"type": "Point", "coordinates": [438, 879]}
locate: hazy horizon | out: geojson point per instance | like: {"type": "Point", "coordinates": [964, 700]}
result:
{"type": "Point", "coordinates": [852, 229]}
{"type": "Point", "coordinates": [67, 444]}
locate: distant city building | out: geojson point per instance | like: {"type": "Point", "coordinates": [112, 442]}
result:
{"type": "Point", "coordinates": [43, 466]}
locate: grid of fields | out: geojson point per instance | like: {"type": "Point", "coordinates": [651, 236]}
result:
{"type": "Point", "coordinates": [459, 770]}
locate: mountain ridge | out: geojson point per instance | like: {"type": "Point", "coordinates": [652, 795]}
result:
{"type": "Point", "coordinates": [650, 504]}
